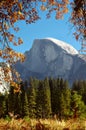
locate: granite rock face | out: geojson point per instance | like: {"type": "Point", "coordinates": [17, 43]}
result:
{"type": "Point", "coordinates": [4, 85]}
{"type": "Point", "coordinates": [52, 58]}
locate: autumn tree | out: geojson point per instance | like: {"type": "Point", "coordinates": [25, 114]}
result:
{"type": "Point", "coordinates": [78, 18]}
{"type": "Point", "coordinates": [12, 11]}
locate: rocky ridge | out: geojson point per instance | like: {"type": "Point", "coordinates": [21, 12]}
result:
{"type": "Point", "coordinates": [50, 57]}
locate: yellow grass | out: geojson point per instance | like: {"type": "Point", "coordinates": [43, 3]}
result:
{"type": "Point", "coordinates": [42, 124]}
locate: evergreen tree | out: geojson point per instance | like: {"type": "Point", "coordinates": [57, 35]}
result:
{"type": "Point", "coordinates": [5, 105]}
{"type": "Point", "coordinates": [62, 107]}
{"type": "Point", "coordinates": [75, 85]}
{"type": "Point", "coordinates": [32, 94]}
{"type": "Point", "coordinates": [80, 88]}
{"type": "Point", "coordinates": [24, 102]}
{"type": "Point", "coordinates": [54, 89]}
{"type": "Point", "coordinates": [84, 92]}
{"type": "Point", "coordinates": [67, 96]}
{"type": "Point", "coordinates": [11, 99]}
{"type": "Point", "coordinates": [17, 104]}
{"type": "Point", "coordinates": [46, 99]}
{"type": "Point", "coordinates": [39, 100]}
{"type": "Point", "coordinates": [77, 105]}
{"type": "Point", "coordinates": [26, 105]}
{"type": "Point", "coordinates": [60, 97]}
{"type": "Point", "coordinates": [51, 84]}
{"type": "Point", "coordinates": [65, 100]}
{"type": "Point", "coordinates": [32, 101]}
{"type": "Point", "coordinates": [43, 100]}
{"type": "Point", "coordinates": [1, 105]}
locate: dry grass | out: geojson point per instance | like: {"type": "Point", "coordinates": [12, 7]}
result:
{"type": "Point", "coordinates": [25, 124]}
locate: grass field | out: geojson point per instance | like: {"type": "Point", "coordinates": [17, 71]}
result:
{"type": "Point", "coordinates": [42, 124]}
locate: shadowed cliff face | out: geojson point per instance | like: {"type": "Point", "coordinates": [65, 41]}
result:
{"type": "Point", "coordinates": [4, 85]}
{"type": "Point", "coordinates": [52, 58]}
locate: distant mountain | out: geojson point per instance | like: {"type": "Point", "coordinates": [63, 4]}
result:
{"type": "Point", "coordinates": [52, 58]}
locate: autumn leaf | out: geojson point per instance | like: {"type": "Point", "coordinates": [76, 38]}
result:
{"type": "Point", "coordinates": [20, 41]}
{"type": "Point", "coordinates": [0, 53]}
{"type": "Point", "coordinates": [65, 10]}
{"type": "Point", "coordinates": [20, 5]}
{"type": "Point", "coordinates": [43, 8]}
{"type": "Point", "coordinates": [11, 38]}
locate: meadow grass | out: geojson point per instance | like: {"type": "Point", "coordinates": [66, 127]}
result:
{"type": "Point", "coordinates": [42, 124]}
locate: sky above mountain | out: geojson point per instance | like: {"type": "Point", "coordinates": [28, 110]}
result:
{"type": "Point", "coordinates": [58, 29]}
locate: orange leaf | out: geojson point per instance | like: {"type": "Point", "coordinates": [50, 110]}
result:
{"type": "Point", "coordinates": [20, 41]}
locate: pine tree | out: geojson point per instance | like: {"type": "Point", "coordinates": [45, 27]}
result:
{"type": "Point", "coordinates": [5, 105]}
{"type": "Point", "coordinates": [32, 102]}
{"type": "Point", "coordinates": [60, 97]}
{"type": "Point", "coordinates": [39, 100]}
{"type": "Point", "coordinates": [75, 85]}
{"type": "Point", "coordinates": [26, 105]}
{"type": "Point", "coordinates": [24, 102]}
{"type": "Point", "coordinates": [11, 98]}
{"type": "Point", "coordinates": [65, 100]}
{"type": "Point", "coordinates": [51, 84]}
{"type": "Point", "coordinates": [47, 99]}
{"type": "Point", "coordinates": [54, 85]}
{"type": "Point", "coordinates": [67, 97]}
{"type": "Point", "coordinates": [1, 105]}
{"type": "Point", "coordinates": [43, 100]}
{"type": "Point", "coordinates": [84, 92]}
{"type": "Point", "coordinates": [62, 106]}
{"type": "Point", "coordinates": [80, 88]}
{"type": "Point", "coordinates": [77, 105]}
{"type": "Point", "coordinates": [17, 104]}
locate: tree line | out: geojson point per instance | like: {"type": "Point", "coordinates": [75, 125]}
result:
{"type": "Point", "coordinates": [45, 99]}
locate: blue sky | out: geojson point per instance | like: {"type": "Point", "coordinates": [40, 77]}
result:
{"type": "Point", "coordinates": [59, 29]}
